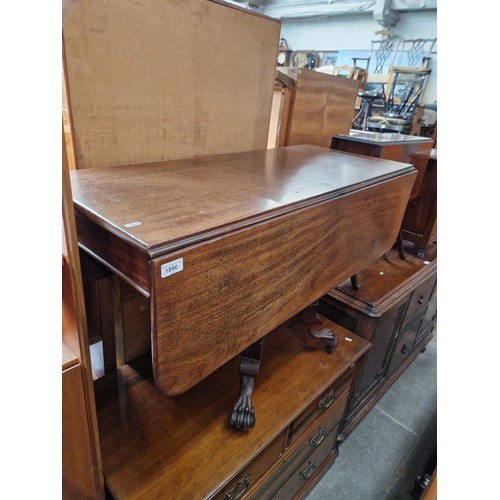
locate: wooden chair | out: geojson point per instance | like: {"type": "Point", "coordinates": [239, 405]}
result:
{"type": "Point", "coordinates": [406, 88]}
{"type": "Point", "coordinates": [380, 58]}
{"type": "Point", "coordinates": [414, 52]}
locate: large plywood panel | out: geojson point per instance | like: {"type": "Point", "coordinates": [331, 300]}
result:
{"type": "Point", "coordinates": [151, 80]}
{"type": "Point", "coordinates": [321, 106]}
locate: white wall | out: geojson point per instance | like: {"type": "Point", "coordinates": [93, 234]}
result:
{"type": "Point", "coordinates": [355, 33]}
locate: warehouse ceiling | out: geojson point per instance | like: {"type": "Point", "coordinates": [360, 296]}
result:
{"type": "Point", "coordinates": [384, 11]}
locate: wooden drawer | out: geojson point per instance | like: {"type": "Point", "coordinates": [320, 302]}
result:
{"type": "Point", "coordinates": [329, 397]}
{"type": "Point", "coordinates": [420, 297]}
{"type": "Point", "coordinates": [319, 433]}
{"type": "Point", "coordinates": [429, 319]}
{"type": "Point", "coordinates": [404, 343]}
{"type": "Point", "coordinates": [252, 472]}
{"type": "Point", "coordinates": [308, 467]}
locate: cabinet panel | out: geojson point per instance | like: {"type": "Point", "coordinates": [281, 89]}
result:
{"type": "Point", "coordinates": [373, 364]}
{"type": "Point", "coordinates": [404, 343]}
{"type": "Point", "coordinates": [78, 468]}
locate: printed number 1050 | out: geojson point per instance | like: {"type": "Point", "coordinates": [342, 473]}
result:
{"type": "Point", "coordinates": [172, 267]}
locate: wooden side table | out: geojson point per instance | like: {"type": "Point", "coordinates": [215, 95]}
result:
{"type": "Point", "coordinates": [419, 224]}
{"type": "Point", "coordinates": [390, 146]}
{"type": "Point", "coordinates": [420, 220]}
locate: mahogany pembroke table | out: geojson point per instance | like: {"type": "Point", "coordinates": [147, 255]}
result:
{"type": "Point", "coordinates": [228, 247]}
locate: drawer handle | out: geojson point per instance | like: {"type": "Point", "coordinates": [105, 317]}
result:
{"type": "Point", "coordinates": [327, 400]}
{"type": "Point", "coordinates": [404, 349]}
{"type": "Point", "coordinates": [318, 439]}
{"type": "Point", "coordinates": [240, 485]}
{"type": "Point", "coordinates": [306, 474]}
{"type": "Point", "coordinates": [421, 299]}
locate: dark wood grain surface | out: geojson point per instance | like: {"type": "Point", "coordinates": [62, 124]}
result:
{"type": "Point", "coordinates": [235, 289]}
{"type": "Point", "coordinates": [385, 280]}
{"type": "Point", "coordinates": [398, 147]}
{"type": "Point", "coordinates": [420, 219]}
{"type": "Point", "coordinates": [190, 200]}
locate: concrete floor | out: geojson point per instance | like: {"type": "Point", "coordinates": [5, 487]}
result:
{"type": "Point", "coordinates": [388, 450]}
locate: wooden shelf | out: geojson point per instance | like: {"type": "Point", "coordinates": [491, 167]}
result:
{"type": "Point", "coordinates": [69, 358]}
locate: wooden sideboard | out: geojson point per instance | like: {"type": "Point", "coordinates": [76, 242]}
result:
{"type": "Point", "coordinates": [395, 309]}
{"type": "Point", "coordinates": [181, 447]}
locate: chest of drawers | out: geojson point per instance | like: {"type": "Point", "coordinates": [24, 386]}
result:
{"type": "Point", "coordinates": [154, 446]}
{"type": "Point", "coordinates": [395, 309]}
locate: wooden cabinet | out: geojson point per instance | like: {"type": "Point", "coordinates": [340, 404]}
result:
{"type": "Point", "coordinates": [315, 106]}
{"type": "Point", "coordinates": [81, 462]}
{"type": "Point", "coordinates": [154, 446]}
{"type": "Point", "coordinates": [394, 309]}
{"type": "Point", "coordinates": [79, 471]}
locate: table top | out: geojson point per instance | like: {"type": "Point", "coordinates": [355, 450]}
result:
{"type": "Point", "coordinates": [385, 138]}
{"type": "Point", "coordinates": [157, 207]}
{"type": "Point", "coordinates": [258, 236]}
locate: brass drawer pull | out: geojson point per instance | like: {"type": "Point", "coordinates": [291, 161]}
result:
{"type": "Point", "coordinates": [421, 299]}
{"type": "Point", "coordinates": [243, 484]}
{"type": "Point", "coordinates": [306, 474]}
{"type": "Point", "coordinates": [318, 439]}
{"type": "Point", "coordinates": [327, 400]}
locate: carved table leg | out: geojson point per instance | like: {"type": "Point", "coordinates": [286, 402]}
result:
{"type": "Point", "coordinates": [310, 330]}
{"type": "Point", "coordinates": [242, 415]}
{"type": "Point", "coordinates": [355, 282]}
{"type": "Point", "coordinates": [400, 245]}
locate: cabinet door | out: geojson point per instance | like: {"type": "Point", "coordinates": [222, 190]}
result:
{"type": "Point", "coordinates": [373, 364]}
{"type": "Point", "coordinates": [404, 343]}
